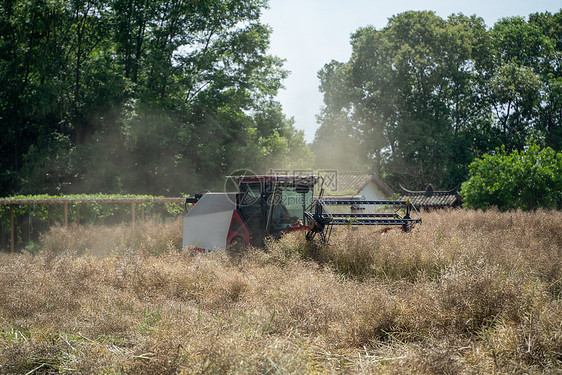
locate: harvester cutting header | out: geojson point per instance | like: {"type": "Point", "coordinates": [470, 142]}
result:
{"type": "Point", "coordinates": [269, 205]}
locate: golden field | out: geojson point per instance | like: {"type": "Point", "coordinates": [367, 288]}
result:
{"type": "Point", "coordinates": [467, 292]}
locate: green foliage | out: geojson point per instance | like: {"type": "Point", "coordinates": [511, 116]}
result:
{"type": "Point", "coordinates": [525, 180]}
{"type": "Point", "coordinates": [132, 96]}
{"type": "Point", "coordinates": [424, 96]}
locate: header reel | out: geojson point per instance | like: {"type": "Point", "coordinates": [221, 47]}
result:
{"type": "Point", "coordinates": [387, 213]}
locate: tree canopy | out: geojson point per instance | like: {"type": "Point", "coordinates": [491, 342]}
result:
{"type": "Point", "coordinates": [137, 96]}
{"type": "Point", "coordinates": [424, 96]}
{"type": "Point", "coordinates": [168, 96]}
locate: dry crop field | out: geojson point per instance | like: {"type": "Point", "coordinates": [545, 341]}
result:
{"type": "Point", "coordinates": [465, 293]}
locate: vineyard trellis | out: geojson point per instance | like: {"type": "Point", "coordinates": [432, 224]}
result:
{"type": "Point", "coordinates": [172, 206]}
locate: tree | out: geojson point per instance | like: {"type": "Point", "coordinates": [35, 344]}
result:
{"type": "Point", "coordinates": [336, 143]}
{"type": "Point", "coordinates": [528, 180]}
{"type": "Point", "coordinates": [137, 96]}
{"type": "Point", "coordinates": [550, 111]}
{"type": "Point", "coordinates": [423, 96]}
{"type": "Point", "coordinates": [405, 96]}
{"type": "Point", "coordinates": [522, 53]}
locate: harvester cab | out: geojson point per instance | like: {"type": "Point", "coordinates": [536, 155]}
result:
{"type": "Point", "coordinates": [263, 206]}
{"type": "Point", "coordinates": [267, 206]}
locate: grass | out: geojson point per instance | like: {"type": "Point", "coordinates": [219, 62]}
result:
{"type": "Point", "coordinates": [465, 293]}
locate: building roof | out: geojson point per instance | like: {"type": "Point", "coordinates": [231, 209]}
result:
{"type": "Point", "coordinates": [357, 181]}
{"type": "Point", "coordinates": [431, 197]}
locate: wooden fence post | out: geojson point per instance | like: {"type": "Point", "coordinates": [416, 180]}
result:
{"type": "Point", "coordinates": [12, 237]}
{"type": "Point", "coordinates": [65, 213]}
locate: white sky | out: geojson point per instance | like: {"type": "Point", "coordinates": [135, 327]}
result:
{"type": "Point", "coordinates": [311, 33]}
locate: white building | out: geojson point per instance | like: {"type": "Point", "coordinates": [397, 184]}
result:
{"type": "Point", "coordinates": [360, 184]}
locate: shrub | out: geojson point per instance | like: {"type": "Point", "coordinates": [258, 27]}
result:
{"type": "Point", "coordinates": [528, 180]}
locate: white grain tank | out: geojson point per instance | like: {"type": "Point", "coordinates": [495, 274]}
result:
{"type": "Point", "coordinates": [206, 225]}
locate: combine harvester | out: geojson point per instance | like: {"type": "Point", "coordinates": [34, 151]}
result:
{"type": "Point", "coordinates": [267, 206]}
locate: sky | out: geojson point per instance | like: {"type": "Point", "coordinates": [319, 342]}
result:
{"type": "Point", "coordinates": [311, 33]}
